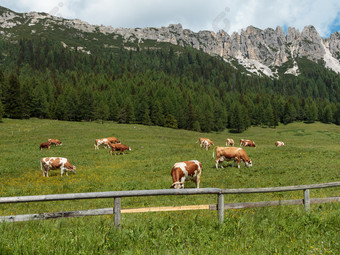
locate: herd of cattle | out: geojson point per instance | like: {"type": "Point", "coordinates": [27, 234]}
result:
{"type": "Point", "coordinates": [180, 172]}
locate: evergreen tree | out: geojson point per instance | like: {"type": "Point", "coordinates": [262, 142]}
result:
{"type": "Point", "coordinates": [327, 116]}
{"type": "Point", "coordinates": [337, 114]}
{"type": "Point", "coordinates": [146, 120]}
{"type": "Point", "coordinates": [39, 104]}
{"type": "Point", "coordinates": [13, 100]}
{"type": "Point", "coordinates": [311, 111]}
{"type": "Point", "coordinates": [289, 113]}
{"type": "Point", "coordinates": [101, 110]}
{"type": "Point", "coordinates": [239, 120]}
{"type": "Point", "coordinates": [157, 116]}
{"type": "Point", "coordinates": [1, 111]}
{"type": "Point", "coordinates": [170, 121]}
{"type": "Point", "coordinates": [60, 108]}
{"type": "Point", "coordinates": [269, 116]}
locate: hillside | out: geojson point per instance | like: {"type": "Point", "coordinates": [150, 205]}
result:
{"type": "Point", "coordinates": [71, 70]}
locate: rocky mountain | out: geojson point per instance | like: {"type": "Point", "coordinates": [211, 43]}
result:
{"type": "Point", "coordinates": [262, 52]}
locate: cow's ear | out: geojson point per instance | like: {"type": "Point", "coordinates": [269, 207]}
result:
{"type": "Point", "coordinates": [172, 186]}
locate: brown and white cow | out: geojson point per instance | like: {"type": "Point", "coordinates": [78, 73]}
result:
{"type": "Point", "coordinates": [231, 153]}
{"type": "Point", "coordinates": [186, 170]}
{"type": "Point", "coordinates": [45, 145]}
{"type": "Point", "coordinates": [247, 143]}
{"type": "Point", "coordinates": [229, 142]}
{"type": "Point", "coordinates": [118, 147]}
{"type": "Point", "coordinates": [113, 140]}
{"type": "Point", "coordinates": [205, 139]}
{"type": "Point", "coordinates": [47, 164]}
{"type": "Point", "coordinates": [279, 144]}
{"type": "Point", "coordinates": [205, 145]}
{"type": "Point", "coordinates": [55, 142]}
{"type": "Point", "coordinates": [103, 141]}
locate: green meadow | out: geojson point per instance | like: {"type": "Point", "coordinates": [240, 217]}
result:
{"type": "Point", "coordinates": [311, 155]}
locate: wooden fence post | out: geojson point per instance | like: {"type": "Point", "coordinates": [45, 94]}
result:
{"type": "Point", "coordinates": [220, 207]}
{"type": "Point", "coordinates": [306, 200]}
{"type": "Point", "coordinates": [117, 212]}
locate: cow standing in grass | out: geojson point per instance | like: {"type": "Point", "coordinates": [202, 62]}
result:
{"type": "Point", "coordinates": [279, 144]}
{"type": "Point", "coordinates": [118, 147]}
{"type": "Point", "coordinates": [201, 140]}
{"type": "Point", "coordinates": [47, 164]}
{"type": "Point", "coordinates": [54, 142]}
{"type": "Point", "coordinates": [45, 145]}
{"type": "Point", "coordinates": [187, 170]}
{"type": "Point", "coordinates": [229, 142]}
{"type": "Point", "coordinates": [231, 153]}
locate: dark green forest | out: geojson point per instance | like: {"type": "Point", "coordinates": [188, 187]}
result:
{"type": "Point", "coordinates": [171, 87]}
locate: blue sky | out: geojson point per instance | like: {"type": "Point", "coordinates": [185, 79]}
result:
{"type": "Point", "coordinates": [229, 15]}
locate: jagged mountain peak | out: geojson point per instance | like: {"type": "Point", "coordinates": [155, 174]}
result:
{"type": "Point", "coordinates": [261, 52]}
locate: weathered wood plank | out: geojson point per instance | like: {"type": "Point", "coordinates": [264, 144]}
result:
{"type": "Point", "coordinates": [161, 192]}
{"type": "Point", "coordinates": [108, 194]}
{"type": "Point", "coordinates": [110, 211]}
{"type": "Point", "coordinates": [167, 208]}
{"type": "Point", "coordinates": [280, 189]}
{"type": "Point", "coordinates": [117, 211]}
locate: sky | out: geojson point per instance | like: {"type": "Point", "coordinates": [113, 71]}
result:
{"type": "Point", "coordinates": [214, 15]}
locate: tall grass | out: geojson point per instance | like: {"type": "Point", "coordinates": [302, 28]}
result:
{"type": "Point", "coordinates": [311, 156]}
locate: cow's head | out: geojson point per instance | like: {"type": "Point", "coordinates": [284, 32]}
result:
{"type": "Point", "coordinates": [249, 163]}
{"type": "Point", "coordinates": [73, 169]}
{"type": "Point", "coordinates": [177, 185]}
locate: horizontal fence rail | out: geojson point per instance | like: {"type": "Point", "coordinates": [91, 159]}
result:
{"type": "Point", "coordinates": [117, 195]}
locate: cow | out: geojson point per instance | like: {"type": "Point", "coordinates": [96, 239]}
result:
{"type": "Point", "coordinates": [230, 142]}
{"type": "Point", "coordinates": [205, 139]}
{"type": "Point", "coordinates": [53, 163]}
{"type": "Point", "coordinates": [279, 144]}
{"type": "Point", "coordinates": [45, 145]}
{"type": "Point", "coordinates": [231, 153]}
{"type": "Point", "coordinates": [247, 143]}
{"type": "Point", "coordinates": [118, 147]}
{"type": "Point", "coordinates": [190, 170]}
{"type": "Point", "coordinates": [206, 144]}
{"type": "Point", "coordinates": [103, 141]}
{"type": "Point", "coordinates": [54, 142]}
{"type": "Point", "coordinates": [113, 140]}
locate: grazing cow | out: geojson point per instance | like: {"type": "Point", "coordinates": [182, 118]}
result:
{"type": "Point", "coordinates": [229, 142]}
{"type": "Point", "coordinates": [231, 153]}
{"type": "Point", "coordinates": [206, 144]}
{"type": "Point", "coordinates": [279, 144]}
{"type": "Point", "coordinates": [113, 140]}
{"type": "Point", "coordinates": [205, 139]}
{"type": "Point", "coordinates": [247, 143]}
{"type": "Point", "coordinates": [118, 147]}
{"type": "Point", "coordinates": [190, 170]}
{"type": "Point", "coordinates": [103, 141]}
{"type": "Point", "coordinates": [47, 164]}
{"type": "Point", "coordinates": [45, 145]}
{"type": "Point", "coordinates": [54, 142]}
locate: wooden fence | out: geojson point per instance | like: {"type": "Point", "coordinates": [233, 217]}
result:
{"type": "Point", "coordinates": [117, 195]}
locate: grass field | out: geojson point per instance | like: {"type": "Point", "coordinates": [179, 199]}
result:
{"type": "Point", "coordinates": [311, 156]}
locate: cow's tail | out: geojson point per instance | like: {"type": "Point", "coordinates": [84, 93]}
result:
{"type": "Point", "coordinates": [214, 151]}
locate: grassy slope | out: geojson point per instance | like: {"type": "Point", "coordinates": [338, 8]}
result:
{"type": "Point", "coordinates": [311, 156]}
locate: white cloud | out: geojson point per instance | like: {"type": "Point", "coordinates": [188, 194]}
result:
{"type": "Point", "coordinates": [196, 15]}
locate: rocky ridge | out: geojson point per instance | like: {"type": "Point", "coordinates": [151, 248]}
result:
{"type": "Point", "coordinates": [259, 51]}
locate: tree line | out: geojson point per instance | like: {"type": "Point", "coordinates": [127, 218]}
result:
{"type": "Point", "coordinates": [170, 87]}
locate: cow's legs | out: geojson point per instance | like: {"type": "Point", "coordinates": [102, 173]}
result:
{"type": "Point", "coordinates": [198, 180]}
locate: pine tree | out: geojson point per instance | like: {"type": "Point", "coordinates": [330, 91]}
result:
{"type": "Point", "coordinates": [311, 111]}
{"type": "Point", "coordinates": [289, 113]}
{"type": "Point", "coordinates": [101, 110]}
{"type": "Point", "coordinates": [13, 100]}
{"type": "Point", "coordinates": [1, 111]}
{"type": "Point", "coordinates": [170, 121]}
